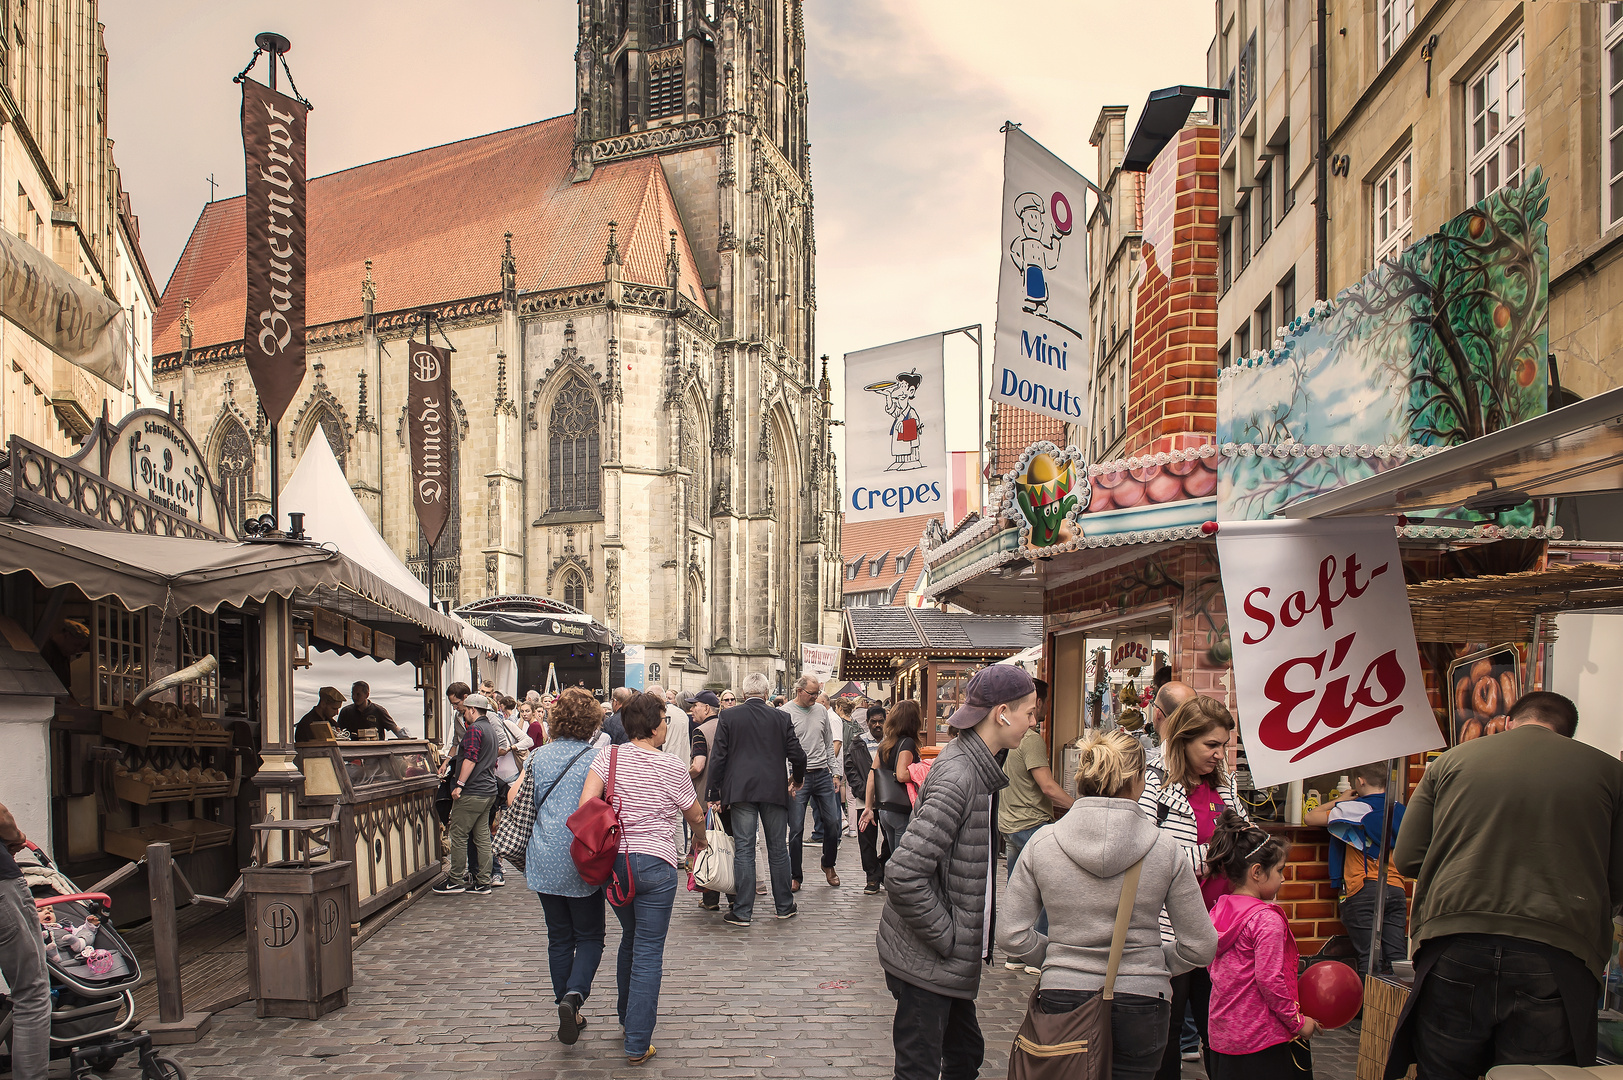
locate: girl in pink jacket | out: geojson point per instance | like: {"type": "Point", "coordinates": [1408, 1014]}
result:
{"type": "Point", "coordinates": [1257, 1029]}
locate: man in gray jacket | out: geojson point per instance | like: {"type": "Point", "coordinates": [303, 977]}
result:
{"type": "Point", "coordinates": [940, 892]}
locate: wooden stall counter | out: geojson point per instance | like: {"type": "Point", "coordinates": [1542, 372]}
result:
{"type": "Point", "coordinates": [383, 796]}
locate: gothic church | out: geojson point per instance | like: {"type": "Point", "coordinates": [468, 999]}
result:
{"type": "Point", "coordinates": [644, 433]}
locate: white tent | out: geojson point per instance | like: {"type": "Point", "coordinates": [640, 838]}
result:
{"type": "Point", "coordinates": [319, 490]}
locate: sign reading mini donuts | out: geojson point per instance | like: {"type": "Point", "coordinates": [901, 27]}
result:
{"type": "Point", "coordinates": [1484, 685]}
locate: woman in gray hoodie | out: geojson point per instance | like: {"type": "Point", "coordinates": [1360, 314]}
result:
{"type": "Point", "coordinates": [1074, 869]}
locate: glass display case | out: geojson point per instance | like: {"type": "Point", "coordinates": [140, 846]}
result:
{"type": "Point", "coordinates": [383, 796]}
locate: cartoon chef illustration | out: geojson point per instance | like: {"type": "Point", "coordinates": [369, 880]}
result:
{"type": "Point", "coordinates": [904, 419]}
{"type": "Point", "coordinates": [1035, 251]}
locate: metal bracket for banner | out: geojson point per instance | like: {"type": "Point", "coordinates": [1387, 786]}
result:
{"type": "Point", "coordinates": [278, 46]}
{"type": "Point", "coordinates": [430, 320]}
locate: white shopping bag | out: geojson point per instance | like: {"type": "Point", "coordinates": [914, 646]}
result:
{"type": "Point", "coordinates": [713, 867]}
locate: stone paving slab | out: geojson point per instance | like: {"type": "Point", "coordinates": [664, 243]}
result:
{"type": "Point", "coordinates": [458, 987]}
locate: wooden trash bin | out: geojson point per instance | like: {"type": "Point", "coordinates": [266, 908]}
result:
{"type": "Point", "coordinates": [300, 956]}
{"type": "Point", "coordinates": [1384, 998]}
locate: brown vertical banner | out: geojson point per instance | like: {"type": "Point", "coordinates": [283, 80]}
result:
{"type": "Point", "coordinates": [273, 336]}
{"type": "Point", "coordinates": [429, 434]}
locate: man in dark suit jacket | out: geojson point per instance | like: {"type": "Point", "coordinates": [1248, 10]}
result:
{"type": "Point", "coordinates": [753, 744]}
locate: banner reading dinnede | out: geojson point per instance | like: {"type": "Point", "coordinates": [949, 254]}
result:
{"type": "Point", "coordinates": [1326, 671]}
{"type": "Point", "coordinates": [895, 431]}
{"type": "Point", "coordinates": [1040, 352]}
{"type": "Point", "coordinates": [428, 429]}
{"type": "Point", "coordinates": [273, 147]}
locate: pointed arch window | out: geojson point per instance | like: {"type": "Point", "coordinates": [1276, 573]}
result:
{"type": "Point", "coordinates": [574, 591]}
{"type": "Point", "coordinates": [333, 428]}
{"type": "Point", "coordinates": [234, 469]}
{"type": "Point", "coordinates": [573, 481]}
{"type": "Point", "coordinates": [693, 462]}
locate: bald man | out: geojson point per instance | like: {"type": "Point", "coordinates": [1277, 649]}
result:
{"type": "Point", "coordinates": [1166, 702]}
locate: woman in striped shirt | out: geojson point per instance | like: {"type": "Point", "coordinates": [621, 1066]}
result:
{"type": "Point", "coordinates": [652, 793]}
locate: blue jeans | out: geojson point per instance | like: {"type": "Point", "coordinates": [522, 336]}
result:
{"type": "Point", "coordinates": [1014, 844]}
{"type": "Point", "coordinates": [643, 925]}
{"type": "Point", "coordinates": [819, 785]}
{"type": "Point", "coordinates": [574, 941]}
{"type": "Point", "coordinates": [772, 818]}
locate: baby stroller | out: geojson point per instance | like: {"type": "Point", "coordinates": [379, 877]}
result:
{"type": "Point", "coordinates": [93, 978]}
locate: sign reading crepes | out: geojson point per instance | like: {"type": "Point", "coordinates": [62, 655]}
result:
{"type": "Point", "coordinates": [1130, 650]}
{"type": "Point", "coordinates": [428, 424]}
{"type": "Point", "coordinates": [273, 334]}
{"type": "Point", "coordinates": [1326, 670]}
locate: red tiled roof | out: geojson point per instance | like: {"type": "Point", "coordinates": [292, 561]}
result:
{"type": "Point", "coordinates": [432, 224]}
{"type": "Point", "coordinates": [897, 536]}
{"type": "Point", "coordinates": [1017, 429]}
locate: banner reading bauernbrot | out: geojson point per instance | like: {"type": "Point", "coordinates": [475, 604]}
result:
{"type": "Point", "coordinates": [1041, 347]}
{"type": "Point", "coordinates": [273, 334]}
{"type": "Point", "coordinates": [895, 431]}
{"type": "Point", "coordinates": [1326, 671]}
{"type": "Point", "coordinates": [428, 426]}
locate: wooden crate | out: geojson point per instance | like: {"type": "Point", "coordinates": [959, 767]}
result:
{"type": "Point", "coordinates": [1384, 998]}
{"type": "Point", "coordinates": [132, 844]}
{"type": "Point", "coordinates": [132, 790]}
{"type": "Point", "coordinates": [138, 734]}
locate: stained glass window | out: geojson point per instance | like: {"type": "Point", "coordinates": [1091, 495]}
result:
{"type": "Point", "coordinates": [234, 469]}
{"type": "Point", "coordinates": [572, 450]}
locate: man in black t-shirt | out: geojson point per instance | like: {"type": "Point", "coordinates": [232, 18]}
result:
{"type": "Point", "coordinates": [22, 961]}
{"type": "Point", "coordinates": [366, 713]}
{"type": "Point", "coordinates": [325, 711]}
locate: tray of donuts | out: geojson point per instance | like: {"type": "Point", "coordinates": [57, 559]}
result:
{"type": "Point", "coordinates": [1484, 685]}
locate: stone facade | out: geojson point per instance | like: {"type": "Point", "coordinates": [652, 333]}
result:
{"type": "Point", "coordinates": [657, 455]}
{"type": "Point", "coordinates": [1416, 101]}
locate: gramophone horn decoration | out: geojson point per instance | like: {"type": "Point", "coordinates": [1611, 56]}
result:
{"type": "Point", "coordinates": [1048, 490]}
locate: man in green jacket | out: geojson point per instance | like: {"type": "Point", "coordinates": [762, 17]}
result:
{"type": "Point", "coordinates": [1515, 843]}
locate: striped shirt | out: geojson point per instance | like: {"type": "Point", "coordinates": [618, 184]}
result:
{"type": "Point", "coordinates": [651, 789]}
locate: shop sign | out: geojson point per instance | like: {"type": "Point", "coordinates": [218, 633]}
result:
{"type": "Point", "coordinates": [566, 629]}
{"type": "Point", "coordinates": [819, 660]}
{"type": "Point", "coordinates": [382, 645]}
{"type": "Point", "coordinates": [1044, 496]}
{"type": "Point", "coordinates": [636, 673]}
{"type": "Point", "coordinates": [359, 636]}
{"type": "Point", "coordinates": [160, 463]}
{"type": "Point", "coordinates": [329, 626]}
{"type": "Point", "coordinates": [1326, 671]}
{"type": "Point", "coordinates": [1130, 651]}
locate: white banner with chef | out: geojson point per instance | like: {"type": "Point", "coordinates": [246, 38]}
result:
{"type": "Point", "coordinates": [1326, 672]}
{"type": "Point", "coordinates": [896, 462]}
{"type": "Point", "coordinates": [1040, 353]}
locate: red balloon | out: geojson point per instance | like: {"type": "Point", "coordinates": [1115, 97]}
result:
{"type": "Point", "coordinates": [1331, 993]}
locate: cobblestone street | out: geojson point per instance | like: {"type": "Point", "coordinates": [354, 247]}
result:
{"type": "Point", "coordinates": [458, 986]}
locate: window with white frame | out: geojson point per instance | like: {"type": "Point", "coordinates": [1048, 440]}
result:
{"type": "Point", "coordinates": [1396, 22]}
{"type": "Point", "coordinates": [1611, 111]}
{"type": "Point", "coordinates": [1496, 136]}
{"type": "Point", "coordinates": [1394, 208]}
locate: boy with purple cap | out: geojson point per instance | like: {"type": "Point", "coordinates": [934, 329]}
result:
{"type": "Point", "coordinates": [940, 891]}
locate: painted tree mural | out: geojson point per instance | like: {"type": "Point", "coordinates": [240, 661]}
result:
{"type": "Point", "coordinates": [1443, 343]}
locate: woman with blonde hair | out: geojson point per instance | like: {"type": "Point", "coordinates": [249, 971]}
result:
{"type": "Point", "coordinates": [1196, 789]}
{"type": "Point", "coordinates": [1077, 869]}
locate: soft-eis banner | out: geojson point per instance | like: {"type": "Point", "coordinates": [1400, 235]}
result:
{"type": "Point", "coordinates": [896, 461]}
{"type": "Point", "coordinates": [1326, 672]}
{"type": "Point", "coordinates": [1040, 351]}
{"type": "Point", "coordinates": [273, 149]}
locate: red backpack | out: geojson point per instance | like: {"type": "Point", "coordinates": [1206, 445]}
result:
{"type": "Point", "coordinates": [596, 828]}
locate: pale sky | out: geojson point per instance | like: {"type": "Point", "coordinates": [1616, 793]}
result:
{"type": "Point", "coordinates": [907, 97]}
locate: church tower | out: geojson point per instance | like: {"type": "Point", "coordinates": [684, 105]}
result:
{"type": "Point", "coordinates": [715, 89]}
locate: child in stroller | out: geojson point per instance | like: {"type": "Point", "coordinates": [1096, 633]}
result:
{"type": "Point", "coordinates": [93, 977]}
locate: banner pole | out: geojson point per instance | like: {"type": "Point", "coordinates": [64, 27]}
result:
{"type": "Point", "coordinates": [980, 421]}
{"type": "Point", "coordinates": [428, 339]}
{"type": "Point", "coordinates": [1394, 783]}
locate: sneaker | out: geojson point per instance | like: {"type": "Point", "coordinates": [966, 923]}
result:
{"type": "Point", "coordinates": [1015, 965]}
{"type": "Point", "coordinates": [1190, 1055]}
{"type": "Point", "coordinates": [448, 888]}
{"type": "Point", "coordinates": [497, 879]}
{"type": "Point", "coordinates": [710, 907]}
{"type": "Point", "coordinates": [478, 890]}
{"type": "Point", "coordinates": [871, 889]}
{"type": "Point", "coordinates": [791, 913]}
{"type": "Point", "coordinates": [733, 920]}
{"type": "Point", "coordinates": [1033, 970]}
